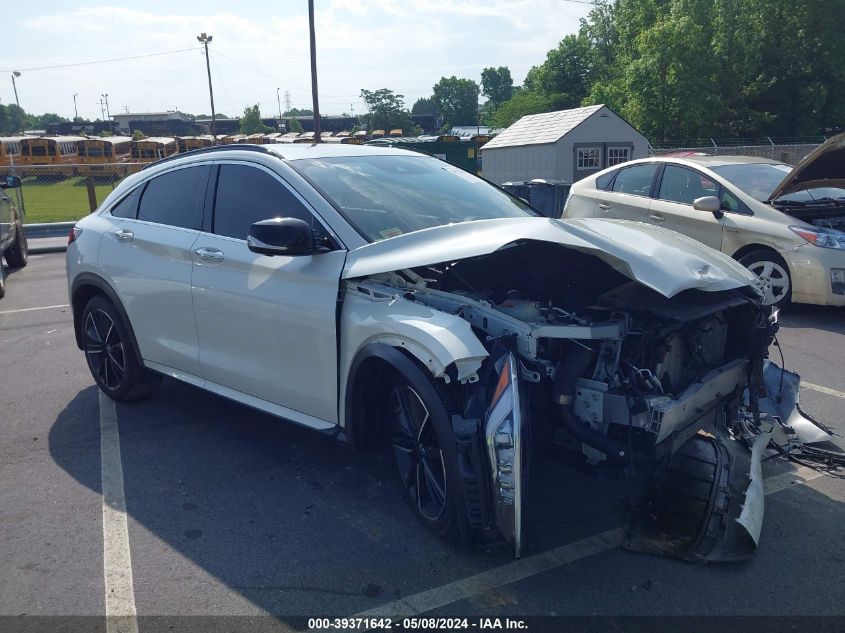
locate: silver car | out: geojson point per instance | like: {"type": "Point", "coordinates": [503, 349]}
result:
{"type": "Point", "coordinates": [398, 303]}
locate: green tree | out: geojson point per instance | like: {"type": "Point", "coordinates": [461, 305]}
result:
{"type": "Point", "coordinates": [138, 135]}
{"type": "Point", "coordinates": [523, 102]}
{"type": "Point", "coordinates": [497, 84]}
{"type": "Point", "coordinates": [43, 121]}
{"type": "Point", "coordinates": [298, 112]}
{"type": "Point", "coordinates": [295, 126]}
{"type": "Point", "coordinates": [457, 100]}
{"type": "Point", "coordinates": [251, 121]}
{"type": "Point", "coordinates": [385, 110]}
{"type": "Point", "coordinates": [424, 105]}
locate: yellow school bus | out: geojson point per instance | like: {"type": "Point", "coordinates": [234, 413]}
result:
{"type": "Point", "coordinates": [153, 148]}
{"type": "Point", "coordinates": [98, 156]}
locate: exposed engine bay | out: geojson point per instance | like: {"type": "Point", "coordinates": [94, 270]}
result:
{"type": "Point", "coordinates": [586, 360]}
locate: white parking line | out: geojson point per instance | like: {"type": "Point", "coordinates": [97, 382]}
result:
{"type": "Point", "coordinates": [117, 561]}
{"type": "Point", "coordinates": [532, 565]}
{"type": "Point", "coordinates": [820, 389]}
{"type": "Point", "coordinates": [62, 305]}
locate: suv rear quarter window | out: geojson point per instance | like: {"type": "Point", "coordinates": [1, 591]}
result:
{"type": "Point", "coordinates": [175, 198]}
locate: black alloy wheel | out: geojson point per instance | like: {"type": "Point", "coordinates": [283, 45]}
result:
{"type": "Point", "coordinates": [104, 350]}
{"type": "Point", "coordinates": [418, 455]}
{"type": "Point", "coordinates": [110, 353]}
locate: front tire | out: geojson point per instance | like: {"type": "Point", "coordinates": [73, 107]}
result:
{"type": "Point", "coordinates": [772, 274]}
{"type": "Point", "coordinates": [423, 448]}
{"type": "Point", "coordinates": [17, 255]}
{"type": "Point", "coordinates": [106, 341]}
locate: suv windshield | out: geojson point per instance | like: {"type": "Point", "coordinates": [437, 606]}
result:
{"type": "Point", "coordinates": [756, 179]}
{"type": "Point", "coordinates": [386, 196]}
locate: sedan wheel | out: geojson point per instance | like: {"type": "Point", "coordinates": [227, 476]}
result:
{"type": "Point", "coordinates": [772, 277]}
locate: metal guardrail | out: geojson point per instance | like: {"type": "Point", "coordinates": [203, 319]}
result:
{"type": "Point", "coordinates": [48, 236]}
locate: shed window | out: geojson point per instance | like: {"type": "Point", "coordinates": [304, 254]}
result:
{"type": "Point", "coordinates": [616, 155]}
{"type": "Point", "coordinates": [589, 157]}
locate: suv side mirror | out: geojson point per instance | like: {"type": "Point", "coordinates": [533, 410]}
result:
{"type": "Point", "coordinates": [10, 182]}
{"type": "Point", "coordinates": [281, 236]}
{"type": "Point", "coordinates": [711, 204]}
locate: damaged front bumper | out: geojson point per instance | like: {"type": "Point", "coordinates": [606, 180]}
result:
{"type": "Point", "coordinates": [704, 503]}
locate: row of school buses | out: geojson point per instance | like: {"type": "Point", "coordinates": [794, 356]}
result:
{"type": "Point", "coordinates": [122, 155]}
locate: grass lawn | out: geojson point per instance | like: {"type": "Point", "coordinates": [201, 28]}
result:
{"type": "Point", "coordinates": [60, 200]}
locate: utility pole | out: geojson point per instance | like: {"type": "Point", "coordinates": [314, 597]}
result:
{"type": "Point", "coordinates": [15, 87]}
{"type": "Point", "coordinates": [314, 96]}
{"type": "Point", "coordinates": [206, 39]}
{"type": "Point", "coordinates": [287, 100]}
{"type": "Point", "coordinates": [75, 111]}
{"type": "Point", "coordinates": [102, 108]}
{"type": "Point", "coordinates": [108, 114]}
{"type": "Point", "coordinates": [279, 103]}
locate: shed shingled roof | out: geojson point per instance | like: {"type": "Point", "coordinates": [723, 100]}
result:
{"type": "Point", "coordinates": [538, 129]}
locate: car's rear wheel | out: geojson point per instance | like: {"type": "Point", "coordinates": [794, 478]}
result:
{"type": "Point", "coordinates": [17, 255]}
{"type": "Point", "coordinates": [111, 358]}
{"type": "Point", "coordinates": [423, 449]}
{"type": "Point", "coordinates": [772, 274]}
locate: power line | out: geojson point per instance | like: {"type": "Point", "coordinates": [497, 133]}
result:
{"type": "Point", "coordinates": [103, 61]}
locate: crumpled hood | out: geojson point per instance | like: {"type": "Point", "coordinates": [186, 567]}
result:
{"type": "Point", "coordinates": [824, 166]}
{"type": "Point", "coordinates": [663, 260]}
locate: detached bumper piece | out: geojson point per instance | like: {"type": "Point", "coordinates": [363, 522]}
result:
{"type": "Point", "coordinates": [706, 504]}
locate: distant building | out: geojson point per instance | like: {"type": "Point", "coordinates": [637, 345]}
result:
{"type": "Point", "coordinates": [566, 145]}
{"type": "Point", "coordinates": [167, 123]}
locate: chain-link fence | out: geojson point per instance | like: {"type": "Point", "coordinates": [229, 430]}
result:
{"type": "Point", "coordinates": [788, 151]}
{"type": "Point", "coordinates": [53, 197]}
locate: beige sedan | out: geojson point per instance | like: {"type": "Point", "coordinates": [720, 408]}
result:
{"type": "Point", "coordinates": [787, 225]}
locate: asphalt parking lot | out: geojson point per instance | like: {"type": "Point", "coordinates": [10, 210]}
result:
{"type": "Point", "coordinates": [232, 512]}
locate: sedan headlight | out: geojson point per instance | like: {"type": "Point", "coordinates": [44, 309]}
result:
{"type": "Point", "coordinates": [825, 238]}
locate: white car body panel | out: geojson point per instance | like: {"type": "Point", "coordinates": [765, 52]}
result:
{"type": "Point", "coordinates": [152, 275]}
{"type": "Point", "coordinates": [267, 325]}
{"type": "Point", "coordinates": [664, 261]}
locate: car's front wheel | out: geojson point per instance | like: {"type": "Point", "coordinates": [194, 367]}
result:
{"type": "Point", "coordinates": [772, 275]}
{"type": "Point", "coordinates": [424, 452]}
{"type": "Point", "coordinates": [17, 255]}
{"type": "Point", "coordinates": [115, 366]}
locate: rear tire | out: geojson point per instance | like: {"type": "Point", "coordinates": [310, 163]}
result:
{"type": "Point", "coordinates": [423, 447]}
{"type": "Point", "coordinates": [111, 357]}
{"type": "Point", "coordinates": [772, 273]}
{"type": "Point", "coordinates": [17, 255]}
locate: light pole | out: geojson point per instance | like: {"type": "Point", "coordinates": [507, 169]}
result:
{"type": "Point", "coordinates": [205, 39]}
{"type": "Point", "coordinates": [106, 97]}
{"type": "Point", "coordinates": [15, 87]}
{"type": "Point", "coordinates": [75, 111]}
{"type": "Point", "coordinates": [314, 97]}
{"type": "Point", "coordinates": [278, 101]}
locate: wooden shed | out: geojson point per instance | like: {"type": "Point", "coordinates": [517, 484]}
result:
{"type": "Point", "coordinates": [565, 145]}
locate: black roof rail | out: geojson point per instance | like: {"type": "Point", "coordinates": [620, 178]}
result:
{"type": "Point", "coordinates": [250, 147]}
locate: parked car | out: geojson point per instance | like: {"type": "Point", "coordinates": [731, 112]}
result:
{"type": "Point", "coordinates": [13, 244]}
{"type": "Point", "coordinates": [787, 225]}
{"type": "Point", "coordinates": [397, 302]}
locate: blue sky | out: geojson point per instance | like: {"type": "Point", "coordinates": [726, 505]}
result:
{"type": "Point", "coordinates": [404, 45]}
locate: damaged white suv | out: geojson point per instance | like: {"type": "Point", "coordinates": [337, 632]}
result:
{"type": "Point", "coordinates": [396, 301]}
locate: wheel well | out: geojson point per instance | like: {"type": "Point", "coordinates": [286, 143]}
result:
{"type": "Point", "coordinates": [81, 296]}
{"type": "Point", "coordinates": [750, 248]}
{"type": "Point", "coordinates": [370, 379]}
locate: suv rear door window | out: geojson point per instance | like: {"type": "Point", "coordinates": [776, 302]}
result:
{"type": "Point", "coordinates": [635, 180]}
{"type": "Point", "coordinates": [175, 198]}
{"type": "Point", "coordinates": [246, 195]}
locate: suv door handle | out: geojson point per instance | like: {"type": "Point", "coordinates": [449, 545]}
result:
{"type": "Point", "coordinates": [124, 236]}
{"type": "Point", "coordinates": [210, 254]}
{"type": "Point", "coordinates": [604, 206]}
{"type": "Point", "coordinates": [656, 218]}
